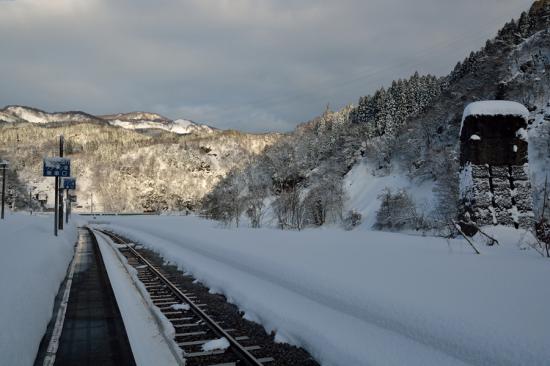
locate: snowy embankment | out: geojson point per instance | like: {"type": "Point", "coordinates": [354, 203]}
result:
{"type": "Point", "coordinates": [33, 263]}
{"type": "Point", "coordinates": [145, 325]}
{"type": "Point", "coordinates": [364, 298]}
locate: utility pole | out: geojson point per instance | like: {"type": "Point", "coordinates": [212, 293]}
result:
{"type": "Point", "coordinates": [3, 165]}
{"type": "Point", "coordinates": [60, 195]}
{"type": "Point", "coordinates": [57, 167]}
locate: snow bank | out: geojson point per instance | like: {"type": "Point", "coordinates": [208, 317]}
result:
{"type": "Point", "coordinates": [367, 298]}
{"type": "Point", "coordinates": [145, 333]}
{"type": "Point", "coordinates": [33, 263]}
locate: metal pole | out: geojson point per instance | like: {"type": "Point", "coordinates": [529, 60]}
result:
{"type": "Point", "coordinates": [3, 189]}
{"type": "Point", "coordinates": [68, 203]}
{"type": "Point", "coordinates": [56, 207]}
{"type": "Point", "coordinates": [60, 220]}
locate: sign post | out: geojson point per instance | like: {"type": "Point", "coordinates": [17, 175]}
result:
{"type": "Point", "coordinates": [56, 167]}
{"type": "Point", "coordinates": [3, 165]}
{"type": "Point", "coordinates": [68, 183]}
{"type": "Point", "coordinates": [72, 199]}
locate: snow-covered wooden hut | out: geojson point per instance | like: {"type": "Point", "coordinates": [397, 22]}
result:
{"type": "Point", "coordinates": [494, 179]}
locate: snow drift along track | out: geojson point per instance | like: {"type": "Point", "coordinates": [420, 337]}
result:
{"type": "Point", "coordinates": [172, 301]}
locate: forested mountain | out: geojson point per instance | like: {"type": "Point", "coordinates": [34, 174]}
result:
{"type": "Point", "coordinates": [409, 129]}
{"type": "Point", "coordinates": [386, 111]}
{"type": "Point", "coordinates": [126, 169]}
{"type": "Point", "coordinates": [132, 121]}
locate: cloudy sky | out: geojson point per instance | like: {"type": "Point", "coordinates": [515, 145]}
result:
{"type": "Point", "coordinates": [255, 65]}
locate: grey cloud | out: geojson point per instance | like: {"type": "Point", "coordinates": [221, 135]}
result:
{"type": "Point", "coordinates": [246, 64]}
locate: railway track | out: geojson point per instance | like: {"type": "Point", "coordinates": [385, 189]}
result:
{"type": "Point", "coordinates": [197, 322]}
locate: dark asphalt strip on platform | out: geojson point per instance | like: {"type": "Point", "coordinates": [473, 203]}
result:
{"type": "Point", "coordinates": [93, 330]}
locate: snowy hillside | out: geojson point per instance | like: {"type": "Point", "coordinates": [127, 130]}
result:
{"type": "Point", "coordinates": [406, 138]}
{"type": "Point", "coordinates": [180, 126]}
{"type": "Point", "coordinates": [124, 170]}
{"type": "Point", "coordinates": [132, 121]}
{"type": "Point", "coordinates": [22, 114]}
{"type": "Point", "coordinates": [143, 120]}
{"type": "Point", "coordinates": [364, 187]}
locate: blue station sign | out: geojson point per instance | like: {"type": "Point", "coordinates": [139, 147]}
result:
{"type": "Point", "coordinates": [68, 183]}
{"type": "Point", "coordinates": [57, 167]}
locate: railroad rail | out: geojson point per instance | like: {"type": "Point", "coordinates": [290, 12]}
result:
{"type": "Point", "coordinates": [194, 327]}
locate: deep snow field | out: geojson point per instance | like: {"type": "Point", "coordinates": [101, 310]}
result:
{"type": "Point", "coordinates": [350, 298]}
{"type": "Point", "coordinates": [369, 298]}
{"type": "Point", "coordinates": [33, 263]}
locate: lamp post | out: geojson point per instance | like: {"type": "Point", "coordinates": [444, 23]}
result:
{"type": "Point", "coordinates": [3, 164]}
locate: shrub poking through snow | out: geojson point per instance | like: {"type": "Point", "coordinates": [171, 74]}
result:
{"type": "Point", "coordinates": [352, 219]}
{"type": "Point", "coordinates": [397, 211]}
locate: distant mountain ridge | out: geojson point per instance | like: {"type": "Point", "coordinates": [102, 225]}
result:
{"type": "Point", "coordinates": [132, 120]}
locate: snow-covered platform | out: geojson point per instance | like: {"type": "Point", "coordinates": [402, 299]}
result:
{"type": "Point", "coordinates": [91, 331]}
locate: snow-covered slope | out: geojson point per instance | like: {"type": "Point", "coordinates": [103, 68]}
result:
{"type": "Point", "coordinates": [131, 121]}
{"type": "Point", "coordinates": [136, 116]}
{"type": "Point", "coordinates": [364, 186]}
{"type": "Point", "coordinates": [126, 170]}
{"type": "Point", "coordinates": [142, 121]}
{"type": "Point", "coordinates": [184, 126]}
{"type": "Point", "coordinates": [17, 113]}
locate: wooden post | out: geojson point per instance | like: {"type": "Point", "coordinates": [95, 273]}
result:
{"type": "Point", "coordinates": [457, 226]}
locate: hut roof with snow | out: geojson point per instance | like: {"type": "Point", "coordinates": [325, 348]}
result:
{"type": "Point", "coordinates": [495, 108]}
{"type": "Point", "coordinates": [494, 132]}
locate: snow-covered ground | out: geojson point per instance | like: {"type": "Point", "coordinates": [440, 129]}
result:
{"type": "Point", "coordinates": [370, 298]}
{"type": "Point", "coordinates": [33, 263]}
